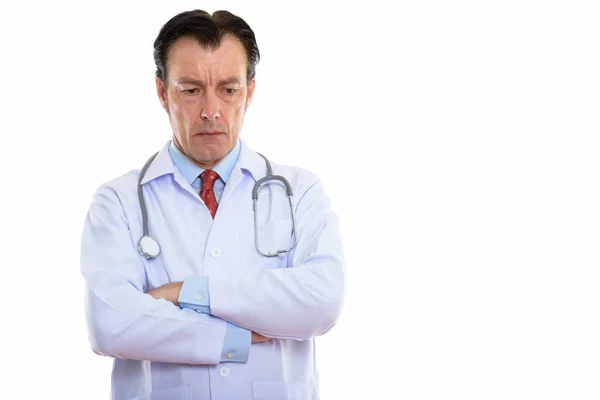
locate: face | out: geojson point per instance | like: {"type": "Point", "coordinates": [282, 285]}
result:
{"type": "Point", "coordinates": [206, 96]}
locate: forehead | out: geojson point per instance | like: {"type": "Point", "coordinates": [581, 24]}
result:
{"type": "Point", "coordinates": [189, 58]}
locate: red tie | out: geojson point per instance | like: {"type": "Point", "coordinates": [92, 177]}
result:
{"type": "Point", "coordinates": [207, 194]}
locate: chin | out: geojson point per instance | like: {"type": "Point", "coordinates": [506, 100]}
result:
{"type": "Point", "coordinates": [210, 156]}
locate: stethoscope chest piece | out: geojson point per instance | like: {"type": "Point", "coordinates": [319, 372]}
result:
{"type": "Point", "coordinates": [148, 247]}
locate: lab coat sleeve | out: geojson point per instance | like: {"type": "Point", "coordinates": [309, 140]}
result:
{"type": "Point", "coordinates": [124, 321]}
{"type": "Point", "coordinates": [299, 302]}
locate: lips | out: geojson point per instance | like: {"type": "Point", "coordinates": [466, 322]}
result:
{"type": "Point", "coordinates": [209, 133]}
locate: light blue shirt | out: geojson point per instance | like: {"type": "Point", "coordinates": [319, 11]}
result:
{"type": "Point", "coordinates": [194, 292]}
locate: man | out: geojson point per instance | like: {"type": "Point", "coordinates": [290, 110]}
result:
{"type": "Point", "coordinates": [209, 316]}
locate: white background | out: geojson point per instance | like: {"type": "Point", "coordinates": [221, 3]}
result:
{"type": "Point", "coordinates": [457, 140]}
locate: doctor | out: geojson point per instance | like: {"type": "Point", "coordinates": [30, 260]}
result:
{"type": "Point", "coordinates": [224, 297]}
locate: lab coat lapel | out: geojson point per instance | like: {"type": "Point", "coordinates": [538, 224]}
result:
{"type": "Point", "coordinates": [234, 179]}
{"type": "Point", "coordinates": [250, 163]}
{"type": "Point", "coordinates": [185, 184]}
{"type": "Point", "coordinates": [163, 165]}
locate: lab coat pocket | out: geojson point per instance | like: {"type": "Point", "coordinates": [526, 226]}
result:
{"type": "Point", "coordinates": [271, 236]}
{"type": "Point", "coordinates": [264, 390]}
{"type": "Point", "coordinates": [179, 393]}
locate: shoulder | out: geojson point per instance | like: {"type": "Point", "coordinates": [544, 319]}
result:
{"type": "Point", "coordinates": [121, 189]}
{"type": "Point", "coordinates": [302, 179]}
{"type": "Point", "coordinates": [312, 202]}
{"type": "Point", "coordinates": [296, 175]}
{"type": "Point", "coordinates": [301, 175]}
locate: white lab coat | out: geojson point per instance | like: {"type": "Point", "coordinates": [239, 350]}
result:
{"type": "Point", "coordinates": [164, 352]}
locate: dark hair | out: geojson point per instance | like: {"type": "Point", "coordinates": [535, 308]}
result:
{"type": "Point", "coordinates": [208, 30]}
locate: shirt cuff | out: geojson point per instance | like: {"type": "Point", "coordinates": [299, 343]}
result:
{"type": "Point", "coordinates": [236, 346]}
{"type": "Point", "coordinates": [194, 294]}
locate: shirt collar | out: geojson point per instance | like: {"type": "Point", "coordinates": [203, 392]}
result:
{"type": "Point", "coordinates": [191, 171]}
{"type": "Point", "coordinates": [247, 159]}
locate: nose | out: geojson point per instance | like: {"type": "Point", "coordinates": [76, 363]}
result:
{"type": "Point", "coordinates": [210, 109]}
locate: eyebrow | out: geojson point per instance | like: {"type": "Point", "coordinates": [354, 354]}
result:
{"type": "Point", "coordinates": [192, 81]}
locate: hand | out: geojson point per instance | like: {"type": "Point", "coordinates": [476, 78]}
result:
{"type": "Point", "coordinates": [169, 292]}
{"type": "Point", "coordinates": [257, 338]}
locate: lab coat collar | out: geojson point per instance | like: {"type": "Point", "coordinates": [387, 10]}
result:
{"type": "Point", "coordinates": [252, 162]}
{"type": "Point", "coordinates": [162, 165]}
{"type": "Point", "coordinates": [249, 161]}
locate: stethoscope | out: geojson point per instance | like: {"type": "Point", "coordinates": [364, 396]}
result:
{"type": "Point", "coordinates": [149, 247]}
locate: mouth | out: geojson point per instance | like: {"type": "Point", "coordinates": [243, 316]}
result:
{"type": "Point", "coordinates": [209, 133]}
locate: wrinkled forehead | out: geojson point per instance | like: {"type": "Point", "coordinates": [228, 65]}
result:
{"type": "Point", "coordinates": [187, 57]}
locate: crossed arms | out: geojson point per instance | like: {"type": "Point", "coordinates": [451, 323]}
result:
{"type": "Point", "coordinates": [126, 321]}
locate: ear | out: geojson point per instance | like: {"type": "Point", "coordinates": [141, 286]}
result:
{"type": "Point", "coordinates": [161, 91]}
{"type": "Point", "coordinates": [250, 93]}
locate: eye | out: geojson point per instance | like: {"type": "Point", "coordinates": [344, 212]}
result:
{"type": "Point", "coordinates": [230, 91]}
{"type": "Point", "coordinates": [191, 91]}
